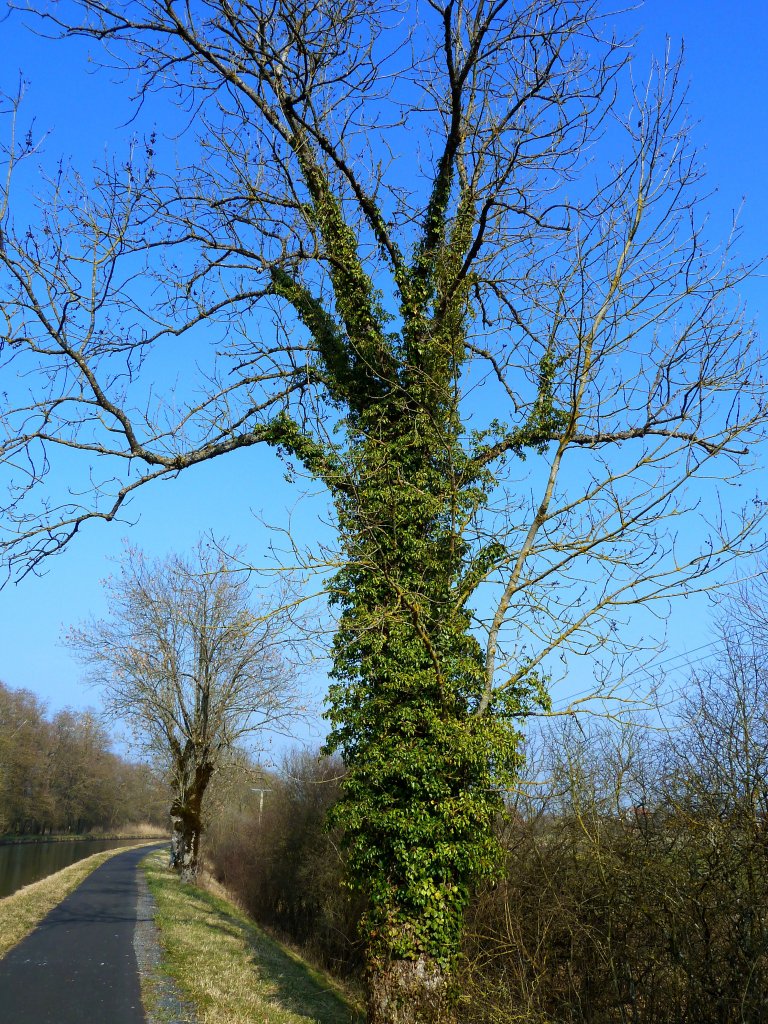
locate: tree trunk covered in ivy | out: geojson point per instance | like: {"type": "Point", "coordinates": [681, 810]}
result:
{"type": "Point", "coordinates": [425, 771]}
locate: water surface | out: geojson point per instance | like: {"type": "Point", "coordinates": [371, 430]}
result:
{"type": "Point", "coordinates": [22, 863]}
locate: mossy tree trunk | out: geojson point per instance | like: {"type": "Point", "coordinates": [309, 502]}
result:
{"type": "Point", "coordinates": [191, 774]}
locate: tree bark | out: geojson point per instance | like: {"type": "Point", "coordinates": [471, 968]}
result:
{"type": "Point", "coordinates": [185, 842]}
{"type": "Point", "coordinates": [192, 778]}
{"type": "Point", "coordinates": [408, 992]}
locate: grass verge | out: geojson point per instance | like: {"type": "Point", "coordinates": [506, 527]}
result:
{"type": "Point", "coordinates": [229, 969]}
{"type": "Point", "coordinates": [23, 910]}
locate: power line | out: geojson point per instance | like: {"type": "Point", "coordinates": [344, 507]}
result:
{"type": "Point", "coordinates": [648, 672]}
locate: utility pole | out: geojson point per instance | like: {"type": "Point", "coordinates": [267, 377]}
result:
{"type": "Point", "coordinates": [261, 792]}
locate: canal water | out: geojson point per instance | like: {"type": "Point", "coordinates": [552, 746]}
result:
{"type": "Point", "coordinates": [22, 863]}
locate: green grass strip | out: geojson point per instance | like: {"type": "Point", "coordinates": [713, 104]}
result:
{"type": "Point", "coordinates": [228, 968]}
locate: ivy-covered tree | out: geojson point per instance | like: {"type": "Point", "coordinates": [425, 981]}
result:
{"type": "Point", "coordinates": [451, 261]}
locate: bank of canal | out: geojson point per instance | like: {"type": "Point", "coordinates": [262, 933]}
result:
{"type": "Point", "coordinates": [23, 863]}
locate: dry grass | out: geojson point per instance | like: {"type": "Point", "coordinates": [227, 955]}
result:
{"type": "Point", "coordinates": [23, 910]}
{"type": "Point", "coordinates": [135, 830]}
{"type": "Point", "coordinates": [229, 969]}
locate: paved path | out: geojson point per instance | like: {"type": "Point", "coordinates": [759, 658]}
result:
{"type": "Point", "coordinates": [78, 966]}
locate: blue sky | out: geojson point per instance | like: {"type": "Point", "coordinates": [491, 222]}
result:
{"type": "Point", "coordinates": [728, 78]}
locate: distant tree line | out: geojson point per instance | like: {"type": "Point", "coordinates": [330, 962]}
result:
{"type": "Point", "coordinates": [636, 882]}
{"type": "Point", "coordinates": [59, 774]}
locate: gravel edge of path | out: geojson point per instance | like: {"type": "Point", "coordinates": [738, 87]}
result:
{"type": "Point", "coordinates": [168, 1007]}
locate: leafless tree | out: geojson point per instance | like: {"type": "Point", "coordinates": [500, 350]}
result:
{"type": "Point", "coordinates": [637, 872]}
{"type": "Point", "coordinates": [195, 666]}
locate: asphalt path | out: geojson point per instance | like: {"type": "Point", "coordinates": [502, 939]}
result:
{"type": "Point", "coordinates": [79, 966]}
